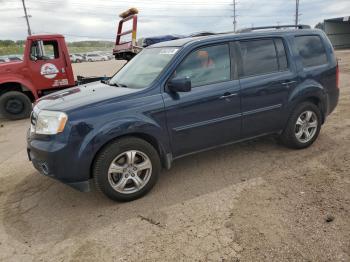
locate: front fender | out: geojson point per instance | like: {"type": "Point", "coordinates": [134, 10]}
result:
{"type": "Point", "coordinates": [98, 137]}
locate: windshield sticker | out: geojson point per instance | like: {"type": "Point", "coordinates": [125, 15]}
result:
{"type": "Point", "coordinates": [168, 51]}
{"type": "Point", "coordinates": [49, 70]}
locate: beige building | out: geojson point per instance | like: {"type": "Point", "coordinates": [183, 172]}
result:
{"type": "Point", "coordinates": [338, 31]}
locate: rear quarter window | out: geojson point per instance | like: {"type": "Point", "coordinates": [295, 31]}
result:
{"type": "Point", "coordinates": [311, 50]}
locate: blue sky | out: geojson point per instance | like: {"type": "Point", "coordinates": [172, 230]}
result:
{"type": "Point", "coordinates": [93, 20]}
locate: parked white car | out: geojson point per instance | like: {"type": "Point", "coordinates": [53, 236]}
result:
{"type": "Point", "coordinates": [95, 57]}
{"type": "Point", "coordinates": [75, 58]}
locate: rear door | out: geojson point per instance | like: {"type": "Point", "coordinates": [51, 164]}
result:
{"type": "Point", "coordinates": [266, 78]}
{"type": "Point", "coordinates": [48, 65]}
{"type": "Point", "coordinates": [208, 115]}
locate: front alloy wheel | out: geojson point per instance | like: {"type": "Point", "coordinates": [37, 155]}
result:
{"type": "Point", "coordinates": [126, 169]}
{"type": "Point", "coordinates": [130, 171]}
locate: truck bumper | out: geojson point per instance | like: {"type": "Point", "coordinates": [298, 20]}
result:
{"type": "Point", "coordinates": [51, 159]}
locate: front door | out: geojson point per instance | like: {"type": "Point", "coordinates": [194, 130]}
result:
{"type": "Point", "coordinates": [208, 115]}
{"type": "Point", "coordinates": [48, 65]}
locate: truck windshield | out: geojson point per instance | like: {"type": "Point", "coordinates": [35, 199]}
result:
{"type": "Point", "coordinates": [144, 68]}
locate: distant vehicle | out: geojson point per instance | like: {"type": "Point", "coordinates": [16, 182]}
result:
{"type": "Point", "coordinates": [110, 56]}
{"type": "Point", "coordinates": [80, 57]}
{"type": "Point", "coordinates": [107, 56]}
{"type": "Point", "coordinates": [75, 58]}
{"type": "Point", "coordinates": [181, 97]}
{"type": "Point", "coordinates": [92, 57]}
{"type": "Point", "coordinates": [14, 58]}
{"type": "Point", "coordinates": [3, 59]}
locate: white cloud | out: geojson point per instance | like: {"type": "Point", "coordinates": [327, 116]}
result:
{"type": "Point", "coordinates": [80, 20]}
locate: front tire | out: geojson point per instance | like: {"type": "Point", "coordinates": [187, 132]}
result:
{"type": "Point", "coordinates": [15, 105]}
{"type": "Point", "coordinates": [126, 169]}
{"type": "Point", "coordinates": [303, 126]}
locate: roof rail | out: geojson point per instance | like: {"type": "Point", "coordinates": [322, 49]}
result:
{"type": "Point", "coordinates": [274, 27]}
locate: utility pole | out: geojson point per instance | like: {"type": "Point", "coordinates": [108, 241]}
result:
{"type": "Point", "coordinates": [296, 12]}
{"type": "Point", "coordinates": [27, 19]}
{"type": "Point", "coordinates": [234, 16]}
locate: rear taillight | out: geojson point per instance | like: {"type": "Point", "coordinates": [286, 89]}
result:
{"type": "Point", "coordinates": [337, 76]}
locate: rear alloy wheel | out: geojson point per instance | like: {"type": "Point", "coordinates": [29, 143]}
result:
{"type": "Point", "coordinates": [303, 126]}
{"type": "Point", "coordinates": [126, 169]}
{"type": "Point", "coordinates": [15, 105]}
{"type": "Point", "coordinates": [306, 126]}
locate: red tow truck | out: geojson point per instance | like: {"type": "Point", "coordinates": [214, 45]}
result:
{"type": "Point", "coordinates": [45, 68]}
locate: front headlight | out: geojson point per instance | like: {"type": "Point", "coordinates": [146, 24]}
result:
{"type": "Point", "coordinates": [50, 122]}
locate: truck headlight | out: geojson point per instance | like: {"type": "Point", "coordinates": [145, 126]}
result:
{"type": "Point", "coordinates": [50, 122]}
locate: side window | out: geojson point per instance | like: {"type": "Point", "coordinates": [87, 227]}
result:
{"type": "Point", "coordinates": [206, 66]}
{"type": "Point", "coordinates": [259, 57]}
{"type": "Point", "coordinates": [311, 50]}
{"type": "Point", "coordinates": [50, 50]}
{"type": "Point", "coordinates": [34, 51]}
{"type": "Point", "coordinates": [44, 50]}
{"type": "Point", "coordinates": [281, 53]}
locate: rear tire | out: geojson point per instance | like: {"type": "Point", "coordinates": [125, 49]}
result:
{"type": "Point", "coordinates": [126, 169]}
{"type": "Point", "coordinates": [15, 105]}
{"type": "Point", "coordinates": [303, 126]}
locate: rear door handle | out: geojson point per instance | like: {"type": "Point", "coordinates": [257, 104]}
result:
{"type": "Point", "coordinates": [286, 83]}
{"type": "Point", "coordinates": [228, 95]}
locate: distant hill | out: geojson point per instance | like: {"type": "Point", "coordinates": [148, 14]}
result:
{"type": "Point", "coordinates": [8, 47]}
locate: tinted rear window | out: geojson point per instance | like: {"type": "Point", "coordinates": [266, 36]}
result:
{"type": "Point", "coordinates": [281, 53]}
{"type": "Point", "coordinates": [311, 50]}
{"type": "Point", "coordinates": [259, 57]}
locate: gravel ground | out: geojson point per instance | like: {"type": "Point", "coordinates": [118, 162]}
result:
{"type": "Point", "coordinates": [254, 201]}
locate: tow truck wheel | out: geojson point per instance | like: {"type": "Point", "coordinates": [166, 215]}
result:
{"type": "Point", "coordinates": [15, 105]}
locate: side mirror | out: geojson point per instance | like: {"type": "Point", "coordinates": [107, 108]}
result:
{"type": "Point", "coordinates": [180, 85]}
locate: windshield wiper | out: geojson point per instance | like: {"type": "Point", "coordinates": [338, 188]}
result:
{"type": "Point", "coordinates": [117, 84]}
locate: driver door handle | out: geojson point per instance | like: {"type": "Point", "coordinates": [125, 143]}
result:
{"type": "Point", "coordinates": [228, 95]}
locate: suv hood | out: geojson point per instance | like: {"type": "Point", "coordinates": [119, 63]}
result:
{"type": "Point", "coordinates": [82, 95]}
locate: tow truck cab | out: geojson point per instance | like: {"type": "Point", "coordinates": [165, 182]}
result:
{"type": "Point", "coordinates": [45, 68]}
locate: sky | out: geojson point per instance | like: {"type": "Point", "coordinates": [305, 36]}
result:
{"type": "Point", "coordinates": [81, 20]}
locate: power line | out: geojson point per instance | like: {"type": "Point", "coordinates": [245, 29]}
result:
{"type": "Point", "coordinates": [27, 19]}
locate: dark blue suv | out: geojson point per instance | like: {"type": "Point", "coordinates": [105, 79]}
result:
{"type": "Point", "coordinates": [181, 97]}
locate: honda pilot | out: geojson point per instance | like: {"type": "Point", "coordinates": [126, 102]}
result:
{"type": "Point", "coordinates": [181, 97]}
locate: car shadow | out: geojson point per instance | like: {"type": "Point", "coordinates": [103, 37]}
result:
{"type": "Point", "coordinates": [40, 210]}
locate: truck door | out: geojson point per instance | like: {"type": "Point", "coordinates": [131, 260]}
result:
{"type": "Point", "coordinates": [48, 65]}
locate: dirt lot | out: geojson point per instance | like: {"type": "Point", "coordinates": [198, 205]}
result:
{"type": "Point", "coordinates": [255, 201]}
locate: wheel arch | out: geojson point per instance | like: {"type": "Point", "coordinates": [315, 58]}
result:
{"type": "Point", "coordinates": [20, 86]}
{"type": "Point", "coordinates": [144, 136]}
{"type": "Point", "coordinates": [315, 94]}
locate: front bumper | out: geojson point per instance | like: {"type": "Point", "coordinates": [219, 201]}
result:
{"type": "Point", "coordinates": [54, 159]}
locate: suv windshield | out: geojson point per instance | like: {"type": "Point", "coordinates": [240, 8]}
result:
{"type": "Point", "coordinates": [144, 68]}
